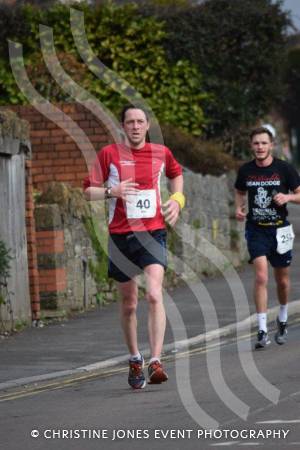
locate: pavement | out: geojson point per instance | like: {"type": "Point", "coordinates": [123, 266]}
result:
{"type": "Point", "coordinates": [91, 341]}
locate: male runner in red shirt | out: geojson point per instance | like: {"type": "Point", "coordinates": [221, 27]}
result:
{"type": "Point", "coordinates": [137, 241]}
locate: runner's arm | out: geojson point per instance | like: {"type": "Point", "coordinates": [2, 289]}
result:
{"type": "Point", "coordinates": [176, 184]}
{"type": "Point", "coordinates": [94, 193]}
{"type": "Point", "coordinates": [172, 207]}
{"type": "Point", "coordinates": [281, 199]}
{"type": "Point", "coordinates": [240, 205]}
{"type": "Point", "coordinates": [120, 190]}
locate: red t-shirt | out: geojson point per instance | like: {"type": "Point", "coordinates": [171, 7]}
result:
{"type": "Point", "coordinates": [116, 163]}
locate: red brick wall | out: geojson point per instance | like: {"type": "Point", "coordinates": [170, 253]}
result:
{"type": "Point", "coordinates": [50, 242]}
{"type": "Point", "coordinates": [53, 281]}
{"type": "Point", "coordinates": [31, 246]}
{"type": "Point", "coordinates": [55, 155]}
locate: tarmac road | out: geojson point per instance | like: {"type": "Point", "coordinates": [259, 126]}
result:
{"type": "Point", "coordinates": [162, 417]}
{"type": "Point", "coordinates": [97, 336]}
{"type": "Point", "coordinates": [213, 378]}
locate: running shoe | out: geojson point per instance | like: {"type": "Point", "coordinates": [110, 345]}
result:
{"type": "Point", "coordinates": [136, 377]}
{"type": "Point", "coordinates": [281, 334]}
{"type": "Point", "coordinates": [262, 339]}
{"type": "Point", "coordinates": [156, 373]}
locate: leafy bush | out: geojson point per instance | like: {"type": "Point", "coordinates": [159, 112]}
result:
{"type": "Point", "coordinates": [206, 157]}
{"type": "Point", "coordinates": [162, 8]}
{"type": "Point", "coordinates": [291, 104]}
{"type": "Point", "coordinates": [5, 259]}
{"type": "Point", "coordinates": [239, 46]}
{"type": "Point", "coordinates": [125, 41]}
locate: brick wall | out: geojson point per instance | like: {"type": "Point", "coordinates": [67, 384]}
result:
{"type": "Point", "coordinates": [55, 155]}
{"type": "Point", "coordinates": [31, 245]}
{"type": "Point", "coordinates": [52, 273]}
{"type": "Point", "coordinates": [63, 243]}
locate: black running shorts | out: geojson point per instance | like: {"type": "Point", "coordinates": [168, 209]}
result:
{"type": "Point", "coordinates": [130, 253]}
{"type": "Point", "coordinates": [261, 241]}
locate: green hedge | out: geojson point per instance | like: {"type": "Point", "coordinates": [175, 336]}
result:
{"type": "Point", "coordinates": [291, 103]}
{"type": "Point", "coordinates": [202, 156]}
{"type": "Point", "coordinates": [239, 46]}
{"type": "Point", "coordinates": [125, 41]}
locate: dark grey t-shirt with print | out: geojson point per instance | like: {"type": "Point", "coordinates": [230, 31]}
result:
{"type": "Point", "coordinates": [262, 183]}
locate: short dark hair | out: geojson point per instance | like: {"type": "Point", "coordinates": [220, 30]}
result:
{"type": "Point", "coordinates": [261, 130]}
{"type": "Point", "coordinates": [127, 107]}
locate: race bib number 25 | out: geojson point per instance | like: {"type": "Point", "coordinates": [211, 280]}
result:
{"type": "Point", "coordinates": [285, 238]}
{"type": "Point", "coordinates": [142, 205]}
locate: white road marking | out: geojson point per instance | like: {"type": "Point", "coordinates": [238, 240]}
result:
{"type": "Point", "coordinates": [279, 421]}
{"type": "Point", "coordinates": [225, 444]}
{"type": "Point", "coordinates": [251, 443]}
{"type": "Point", "coordinates": [295, 394]}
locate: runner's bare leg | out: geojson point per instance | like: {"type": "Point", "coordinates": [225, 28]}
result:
{"type": "Point", "coordinates": [282, 278]}
{"type": "Point", "coordinates": [261, 284]}
{"type": "Point", "coordinates": [154, 274]}
{"type": "Point", "coordinates": [129, 300]}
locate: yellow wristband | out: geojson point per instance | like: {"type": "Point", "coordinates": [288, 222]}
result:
{"type": "Point", "coordinates": [179, 198]}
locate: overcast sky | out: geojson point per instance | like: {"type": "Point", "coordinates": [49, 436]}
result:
{"type": "Point", "coordinates": [294, 7]}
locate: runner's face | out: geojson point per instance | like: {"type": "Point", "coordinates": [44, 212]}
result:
{"type": "Point", "coordinates": [262, 146]}
{"type": "Point", "coordinates": [136, 126]}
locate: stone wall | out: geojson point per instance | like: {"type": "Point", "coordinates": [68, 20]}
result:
{"type": "Point", "coordinates": [65, 249]}
{"type": "Point", "coordinates": [206, 240]}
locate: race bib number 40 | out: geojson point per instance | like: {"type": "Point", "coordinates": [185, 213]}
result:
{"type": "Point", "coordinates": [142, 205]}
{"type": "Point", "coordinates": [285, 238]}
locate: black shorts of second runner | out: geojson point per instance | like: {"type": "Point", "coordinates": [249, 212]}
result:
{"type": "Point", "coordinates": [130, 253]}
{"type": "Point", "coordinates": [261, 241]}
